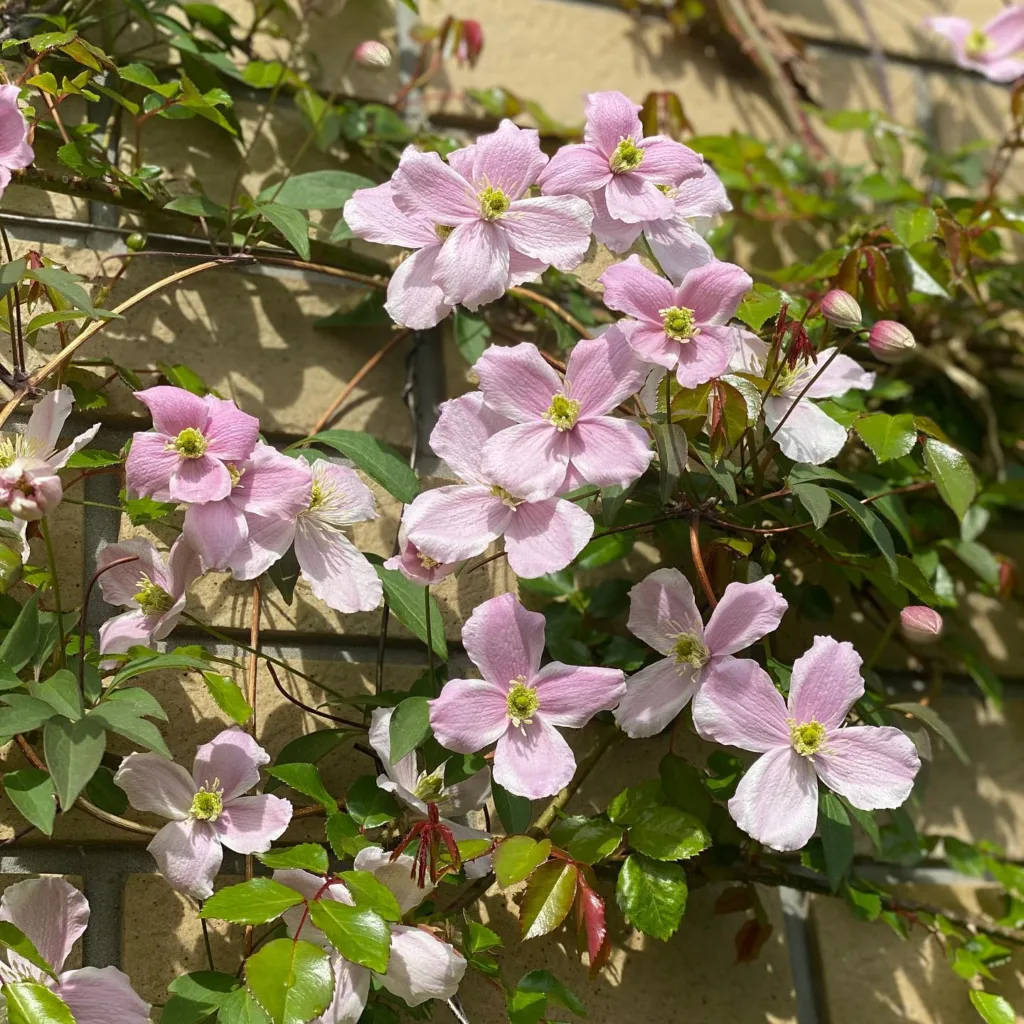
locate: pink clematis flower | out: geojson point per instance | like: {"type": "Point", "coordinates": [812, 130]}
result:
{"type": "Point", "coordinates": [993, 51]}
{"type": "Point", "coordinates": [53, 915]}
{"type": "Point", "coordinates": [449, 524]}
{"type": "Point", "coordinates": [336, 570]}
{"type": "Point", "coordinates": [421, 966]}
{"type": "Point", "coordinates": [802, 741]}
{"type": "Point", "coordinates": [29, 488]}
{"type": "Point", "coordinates": [207, 808]}
{"type": "Point", "coordinates": [268, 484]}
{"type": "Point", "coordinates": [630, 173]}
{"type": "Point", "coordinates": [15, 151]}
{"type": "Point", "coordinates": [680, 327]}
{"type": "Point", "coordinates": [154, 589]}
{"type": "Point", "coordinates": [563, 424]}
{"type": "Point", "coordinates": [518, 704]}
{"type": "Point", "coordinates": [417, 565]}
{"type": "Point", "coordinates": [807, 434]}
{"type": "Point", "coordinates": [194, 442]}
{"type": "Point", "coordinates": [663, 613]}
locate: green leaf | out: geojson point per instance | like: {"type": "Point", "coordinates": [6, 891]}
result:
{"type": "Point", "coordinates": [28, 1002]}
{"type": "Point", "coordinates": [410, 726]}
{"type": "Point", "coordinates": [371, 894]}
{"type": "Point", "coordinates": [976, 557]}
{"type": "Point", "coordinates": [992, 1009]}
{"type": "Point", "coordinates": [158, 663]}
{"type": "Point", "coordinates": [605, 550]}
{"type": "Point", "coordinates": [241, 1008]}
{"type": "Point", "coordinates": [652, 895]}
{"type": "Point", "coordinates": [817, 502]}
{"type": "Point", "coordinates": [666, 833]}
{"type": "Point", "coordinates": [305, 779]}
{"type": "Point", "coordinates": [344, 836]}
{"type": "Point", "coordinates": [141, 702]}
{"type": "Point", "coordinates": [228, 696]}
{"type": "Point", "coordinates": [292, 981]}
{"type": "Point", "coordinates": [316, 190]}
{"type": "Point", "coordinates": [368, 313]}
{"type": "Point", "coordinates": [514, 812]}
{"type": "Point", "coordinates": [368, 804]}
{"type": "Point", "coordinates": [93, 458]}
{"type": "Point", "coordinates": [20, 643]}
{"type": "Point", "coordinates": [73, 753]}
{"type": "Point", "coordinates": [952, 473]}
{"type": "Point", "coordinates": [305, 857]}
{"type": "Point", "coordinates": [888, 437]}
{"type": "Point", "coordinates": [23, 714]}
{"type": "Point", "coordinates": [517, 857]}
{"type": "Point", "coordinates": [587, 840]}
{"type": "Point", "coordinates": [360, 935]}
{"type": "Point", "coordinates": [670, 442]}
{"type": "Point", "coordinates": [11, 274]}
{"type": "Point", "coordinates": [549, 896]}
{"type": "Point", "coordinates": [761, 303]}
{"type": "Point", "coordinates": [284, 574]}
{"type": "Point", "coordinates": [61, 692]}
{"type": "Point", "coordinates": [254, 902]}
{"type": "Point", "coordinates": [627, 807]}
{"type": "Point", "coordinates": [375, 458]}
{"type": "Point", "coordinates": [528, 1004]}
{"type": "Point", "coordinates": [471, 335]}
{"type": "Point", "coordinates": [32, 793]}
{"type": "Point", "coordinates": [105, 793]}
{"type": "Point", "coordinates": [913, 224]}
{"type": "Point", "coordinates": [140, 74]}
{"type": "Point", "coordinates": [684, 786]}
{"type": "Point", "coordinates": [836, 837]}
{"type": "Point", "coordinates": [198, 206]}
{"type": "Point", "coordinates": [309, 749]}
{"type": "Point", "coordinates": [196, 996]}
{"type": "Point", "coordinates": [62, 316]}
{"type": "Point", "coordinates": [936, 723]}
{"type": "Point", "coordinates": [291, 223]}
{"type": "Point", "coordinates": [872, 526]}
{"type": "Point", "coordinates": [14, 938]}
{"type": "Point", "coordinates": [122, 719]}
{"type": "Point", "coordinates": [67, 285]}
{"type": "Point", "coordinates": [406, 601]}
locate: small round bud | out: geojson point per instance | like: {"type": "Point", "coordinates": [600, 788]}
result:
{"type": "Point", "coordinates": [136, 241]}
{"type": "Point", "coordinates": [891, 342]}
{"type": "Point", "coordinates": [372, 54]}
{"type": "Point", "coordinates": [841, 309]}
{"type": "Point", "coordinates": [920, 624]}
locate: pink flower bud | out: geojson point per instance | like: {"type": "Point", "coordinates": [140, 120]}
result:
{"type": "Point", "coordinates": [841, 309]}
{"type": "Point", "coordinates": [471, 42]}
{"type": "Point", "coordinates": [891, 342]}
{"type": "Point", "coordinates": [372, 54]}
{"type": "Point", "coordinates": [30, 488]}
{"type": "Point", "coordinates": [920, 624]}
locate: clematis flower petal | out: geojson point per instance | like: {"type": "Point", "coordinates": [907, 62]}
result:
{"type": "Point", "coordinates": [545, 536]}
{"type": "Point", "coordinates": [469, 715]}
{"type": "Point", "coordinates": [504, 640]}
{"type": "Point", "coordinates": [746, 612]}
{"type": "Point", "coordinates": [199, 480]}
{"type": "Point", "coordinates": [611, 117]}
{"type": "Point", "coordinates": [249, 824]}
{"type": "Point", "coordinates": [51, 912]}
{"type": "Point", "coordinates": [602, 373]}
{"type": "Point", "coordinates": [609, 451]}
{"type": "Point", "coordinates": [508, 159]}
{"type": "Point", "coordinates": [233, 759]}
{"type": "Point", "coordinates": [149, 466]}
{"type": "Point", "coordinates": [120, 583]}
{"type": "Point", "coordinates": [267, 542]}
{"type": "Point", "coordinates": [706, 356]}
{"type": "Point", "coordinates": [52, 410]}
{"type": "Point", "coordinates": [714, 291]}
{"type": "Point", "coordinates": [530, 460]}
{"type": "Point", "coordinates": [230, 433]}
{"type": "Point", "coordinates": [337, 571]}
{"type": "Point", "coordinates": [154, 784]}
{"type": "Point", "coordinates": [216, 530]}
{"type": "Point", "coordinates": [677, 245]}
{"type": "Point", "coordinates": [826, 682]}
{"type": "Point", "coordinates": [121, 632]}
{"type": "Point", "coordinates": [661, 606]}
{"type": "Point", "coordinates": [395, 874]}
{"type": "Point", "coordinates": [174, 409]}
{"type": "Point", "coordinates": [632, 288]}
{"type": "Point", "coordinates": [272, 484]}
{"type": "Point", "coordinates": [421, 967]}
{"type": "Point", "coordinates": [516, 382]}
{"type": "Point", "coordinates": [635, 199]}
{"type": "Point", "coordinates": [872, 766]}
{"type": "Point", "coordinates": [807, 434]}
{"type": "Point", "coordinates": [575, 170]}
{"type": "Point", "coordinates": [841, 374]}
{"type": "Point", "coordinates": [555, 229]}
{"type": "Point", "coordinates": [371, 214]}
{"type": "Point", "coordinates": [351, 990]}
{"type": "Point", "coordinates": [425, 186]}
{"type": "Point", "coordinates": [414, 297]}
{"type": "Point", "coordinates": [667, 162]}
{"type": "Point", "coordinates": [472, 267]}
{"type": "Point", "coordinates": [738, 705]}
{"type": "Point", "coordinates": [570, 695]}
{"type": "Point", "coordinates": [650, 342]}
{"type": "Point", "coordinates": [189, 855]}
{"type": "Point", "coordinates": [776, 801]}
{"type": "Point", "coordinates": [534, 761]}
{"type": "Point", "coordinates": [15, 151]}
{"type": "Point", "coordinates": [456, 522]}
{"type": "Point", "coordinates": [463, 427]}
{"type": "Point", "coordinates": [654, 696]}
{"type": "Point", "coordinates": [403, 772]}
{"type": "Point", "coordinates": [98, 995]}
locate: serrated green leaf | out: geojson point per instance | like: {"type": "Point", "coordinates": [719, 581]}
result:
{"type": "Point", "coordinates": [548, 898]}
{"type": "Point", "coordinates": [586, 840]}
{"type": "Point", "coordinates": [305, 779]}
{"type": "Point", "coordinates": [305, 857]}
{"type": "Point", "coordinates": [292, 981]}
{"type": "Point", "coordinates": [254, 902]}
{"type": "Point", "coordinates": [228, 696]}
{"type": "Point", "coordinates": [360, 935]}
{"type": "Point", "coordinates": [913, 224]}
{"type": "Point", "coordinates": [28, 1002]}
{"type": "Point", "coordinates": [952, 473]}
{"type": "Point", "coordinates": [652, 895]}
{"type": "Point", "coordinates": [241, 1008]}
{"type": "Point", "coordinates": [370, 893]}
{"type": "Point", "coordinates": [517, 857]}
{"type": "Point", "coordinates": [368, 804]}
{"type": "Point", "coordinates": [196, 996]}
{"type": "Point", "coordinates": [888, 437]}
{"type": "Point", "coordinates": [12, 937]}
{"type": "Point", "coordinates": [667, 833]}
{"type": "Point", "coordinates": [344, 836]}
{"type": "Point", "coordinates": [761, 303]}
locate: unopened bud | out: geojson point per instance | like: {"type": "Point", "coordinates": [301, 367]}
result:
{"type": "Point", "coordinates": [29, 488]}
{"type": "Point", "coordinates": [891, 342]}
{"type": "Point", "coordinates": [471, 42]}
{"type": "Point", "coordinates": [841, 309]}
{"type": "Point", "coordinates": [372, 54]}
{"type": "Point", "coordinates": [10, 568]}
{"type": "Point", "coordinates": [136, 241]}
{"type": "Point", "coordinates": [920, 624]}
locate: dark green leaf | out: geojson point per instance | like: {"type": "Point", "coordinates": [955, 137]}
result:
{"type": "Point", "coordinates": [587, 840]}
{"type": "Point", "coordinates": [305, 779]}
{"type": "Point", "coordinates": [406, 601]}
{"type": "Point", "coordinates": [141, 702]}
{"type": "Point", "coordinates": [836, 837]}
{"type": "Point", "coordinates": [93, 458]}
{"type": "Point", "coordinates": [20, 643]}
{"type": "Point", "coordinates": [73, 753]}
{"type": "Point", "coordinates": [360, 935]}
{"type": "Point", "coordinates": [196, 996]}
{"type": "Point", "coordinates": [284, 574]}
{"type": "Point", "coordinates": [471, 335]}
{"type": "Point", "coordinates": [952, 474]}
{"type": "Point", "coordinates": [368, 804]}
{"type": "Point", "coordinates": [305, 857]}
{"type": "Point", "coordinates": [410, 726]}
{"type": "Point", "coordinates": [514, 812]}
{"type": "Point", "coordinates": [32, 793]}
{"type": "Point", "coordinates": [344, 836]}
{"type": "Point", "coordinates": [652, 895]}
{"type": "Point", "coordinates": [158, 663]}
{"type": "Point", "coordinates": [292, 981]}
{"type": "Point", "coordinates": [670, 441]}
{"type": "Point", "coordinates": [667, 833]}
{"type": "Point", "coordinates": [871, 524]}
{"type": "Point", "coordinates": [604, 550]}
{"type": "Point", "coordinates": [198, 206]}
{"type": "Point", "coordinates": [315, 190]}
{"type": "Point", "coordinates": [68, 285]}
{"type": "Point", "coordinates": [291, 223]}
{"type": "Point", "coordinates": [241, 1008]}
{"type": "Point", "coordinates": [122, 719]}
{"type": "Point", "coordinates": [684, 786]}
{"type": "Point", "coordinates": [375, 458]}
{"type": "Point", "coordinates": [23, 714]}
{"type": "Point", "coordinates": [11, 274]}
{"type": "Point", "coordinates": [105, 793]}
{"type": "Point", "coordinates": [309, 749]}
{"type": "Point", "coordinates": [61, 692]}
{"type": "Point", "coordinates": [528, 1004]}
{"type": "Point", "coordinates": [627, 807]}
{"type": "Point", "coordinates": [254, 902]}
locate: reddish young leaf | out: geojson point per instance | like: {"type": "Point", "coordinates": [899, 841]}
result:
{"type": "Point", "coordinates": [733, 900]}
{"type": "Point", "coordinates": [591, 927]}
{"type": "Point", "coordinates": [749, 940]}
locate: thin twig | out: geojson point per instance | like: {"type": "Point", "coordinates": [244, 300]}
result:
{"type": "Point", "coordinates": [543, 300]}
{"type": "Point", "coordinates": [253, 671]}
{"type": "Point", "coordinates": [698, 559]}
{"type": "Point", "coordinates": [85, 609]}
{"type": "Point", "coordinates": [308, 707]}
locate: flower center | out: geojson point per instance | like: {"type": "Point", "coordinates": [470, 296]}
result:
{"type": "Point", "coordinates": [522, 702]}
{"type": "Point", "coordinates": [426, 561]}
{"type": "Point", "coordinates": [190, 444]}
{"type": "Point", "coordinates": [977, 44]}
{"type": "Point", "coordinates": [628, 156]}
{"type": "Point", "coordinates": [235, 473]}
{"type": "Point", "coordinates": [208, 804]}
{"type": "Point", "coordinates": [563, 412]}
{"type": "Point", "coordinates": [12, 448]}
{"type": "Point", "coordinates": [807, 738]}
{"type": "Point", "coordinates": [667, 190]}
{"type": "Point", "coordinates": [679, 323]}
{"type": "Point", "coordinates": [152, 598]}
{"type": "Point", "coordinates": [689, 649]}
{"type": "Point", "coordinates": [493, 203]}
{"type": "Point", "coordinates": [508, 500]}
{"type": "Point", "coordinates": [443, 230]}
{"type": "Point", "coordinates": [431, 786]}
{"type": "Point", "coordinates": [318, 496]}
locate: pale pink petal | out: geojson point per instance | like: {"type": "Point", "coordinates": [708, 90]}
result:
{"type": "Point", "coordinates": [268, 541]}
{"type": "Point", "coordinates": [610, 451]}
{"type": "Point", "coordinates": [189, 856]}
{"type": "Point", "coordinates": [51, 411]}
{"type": "Point", "coordinates": [149, 466]}
{"type": "Point", "coordinates": [634, 199]}
{"type": "Point", "coordinates": [667, 162]}
{"type": "Point", "coordinates": [403, 772]}
{"type": "Point", "coordinates": [654, 696]}
{"type": "Point", "coordinates": [529, 460]}
{"type": "Point", "coordinates": [616, 234]}
{"type": "Point", "coordinates": [807, 435]}
{"type": "Point", "coordinates": [414, 300]}
{"type": "Point", "coordinates": [575, 170]}
{"type": "Point", "coordinates": [508, 159]}
{"type": "Point", "coordinates": [776, 801]}
{"type": "Point", "coordinates": [425, 186]}
{"type": "Point", "coordinates": [533, 761]}
{"type": "Point", "coordinates": [632, 288]}
{"type": "Point", "coordinates": [737, 704]}
{"type": "Point", "coordinates": [469, 795]}
{"type": "Point", "coordinates": [956, 30]}
{"type": "Point", "coordinates": [545, 536]}
{"type": "Point", "coordinates": [746, 612]}
{"type": "Point", "coordinates": [351, 990]}
{"type": "Point", "coordinates": [651, 343]}
{"type": "Point", "coordinates": [120, 583]}
{"type": "Point", "coordinates": [233, 759]}
{"type": "Point", "coordinates": [154, 784]}
{"type": "Point", "coordinates": [59, 459]}
{"type": "Point", "coordinates": [174, 409]}
{"type": "Point", "coordinates": [51, 912]}
{"type": "Point", "coordinates": [344, 498]}
{"type": "Point", "coordinates": [661, 606]}
{"type": "Point", "coordinates": [1005, 33]}
{"type": "Point", "coordinates": [702, 196]}
{"type": "Point", "coordinates": [464, 425]}
{"type": "Point", "coordinates": [603, 372]}
{"type": "Point", "coordinates": [184, 567]}
{"type": "Point", "coordinates": [714, 291]}
{"type": "Point", "coordinates": [99, 995]}
{"type": "Point", "coordinates": [249, 824]}
{"type": "Point", "coordinates": [524, 269]}
{"type": "Point", "coordinates": [231, 433]}
{"type": "Point", "coordinates": [571, 695]}
{"type": "Point", "coordinates": [516, 381]}
{"type": "Point", "coordinates": [1008, 69]}
{"type": "Point", "coordinates": [422, 966]}
{"type": "Point", "coordinates": [826, 682]}
{"type": "Point", "coordinates": [706, 356]}
{"type": "Point", "coordinates": [15, 152]}
{"type": "Point", "coordinates": [872, 766]}
{"type": "Point", "coordinates": [840, 375]}
{"type": "Point", "coordinates": [273, 485]}
{"type": "Point", "coordinates": [455, 522]}
{"type": "Point", "coordinates": [472, 267]}
{"type": "Point", "coordinates": [337, 571]}
{"type": "Point", "coordinates": [395, 874]}
{"type": "Point", "coordinates": [555, 229]}
{"type": "Point", "coordinates": [199, 480]}
{"type": "Point", "coordinates": [371, 214]}
{"type": "Point", "coordinates": [409, 562]}
{"type": "Point", "coordinates": [677, 245]}
{"type": "Point", "coordinates": [216, 530]}
{"type": "Point", "coordinates": [469, 715]}
{"type": "Point", "coordinates": [750, 353]}
{"type": "Point", "coordinates": [611, 117]}
{"type": "Point", "coordinates": [461, 160]}
{"type": "Point", "coordinates": [504, 640]}
{"type": "Point", "coordinates": [133, 629]}
{"type": "Point", "coordinates": [164, 623]}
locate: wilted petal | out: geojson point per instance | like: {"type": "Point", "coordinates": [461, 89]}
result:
{"type": "Point", "coordinates": [154, 784]}
{"type": "Point", "coordinates": [469, 715]}
{"type": "Point", "coordinates": [216, 530]}
{"type": "Point", "coordinates": [570, 695]}
{"type": "Point", "coordinates": [533, 761]}
{"type": "Point", "coordinates": [555, 229]}
{"type": "Point", "coordinates": [508, 159]}
{"type": "Point", "coordinates": [99, 995]}
{"type": "Point", "coordinates": [746, 612]}
{"type": "Point", "coordinates": [610, 451]}
{"type": "Point", "coordinates": [455, 522]}
{"type": "Point", "coordinates": [872, 766]}
{"type": "Point", "coordinates": [472, 267]}
{"type": "Point", "coordinates": [738, 705]}
{"type": "Point", "coordinates": [654, 696]}
{"type": "Point", "coordinates": [545, 536]}
{"type": "Point", "coordinates": [504, 640]}
{"type": "Point", "coordinates": [575, 170]}
{"type": "Point", "coordinates": [414, 298]}
{"type": "Point", "coordinates": [706, 356]}
{"type": "Point", "coordinates": [603, 372]}
{"type": "Point", "coordinates": [516, 382]}
{"type": "Point", "coordinates": [232, 758]}
{"type": "Point", "coordinates": [52, 913]}
{"type": "Point", "coordinates": [189, 856]}
{"type": "Point", "coordinates": [807, 434]}
{"type": "Point", "coordinates": [826, 682]}
{"type": "Point", "coordinates": [661, 606]}
{"type": "Point", "coordinates": [337, 571]}
{"type": "Point", "coordinates": [422, 967]}
{"type": "Point", "coordinates": [776, 801]}
{"type": "Point", "coordinates": [249, 824]}
{"type": "Point", "coordinates": [714, 291]}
